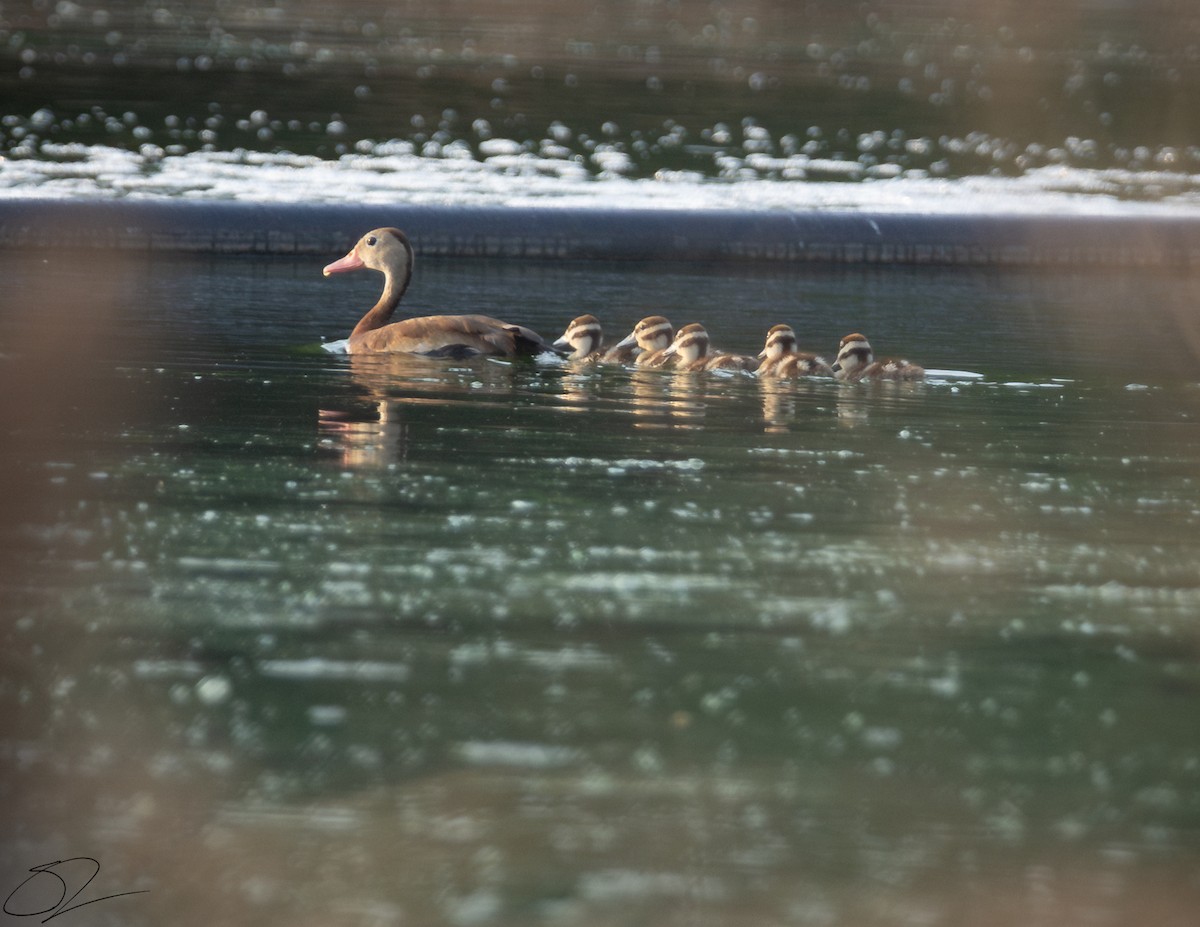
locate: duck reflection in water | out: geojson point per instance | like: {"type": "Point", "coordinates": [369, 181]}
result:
{"type": "Point", "coordinates": [373, 432]}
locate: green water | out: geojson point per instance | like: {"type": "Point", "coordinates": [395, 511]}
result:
{"type": "Point", "coordinates": [291, 638]}
{"type": "Point", "coordinates": [958, 89]}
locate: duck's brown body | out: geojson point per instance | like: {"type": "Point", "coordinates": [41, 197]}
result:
{"type": "Point", "coordinates": [449, 336]}
{"type": "Point", "coordinates": [387, 250]}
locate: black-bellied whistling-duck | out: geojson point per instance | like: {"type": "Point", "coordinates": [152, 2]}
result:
{"type": "Point", "coordinates": [689, 349]}
{"type": "Point", "coordinates": [583, 336]}
{"type": "Point", "coordinates": [647, 342]}
{"type": "Point", "coordinates": [856, 361]}
{"type": "Point", "coordinates": [387, 250]}
{"type": "Point", "coordinates": [781, 358]}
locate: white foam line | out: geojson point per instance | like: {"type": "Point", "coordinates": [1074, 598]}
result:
{"type": "Point", "coordinates": [528, 179]}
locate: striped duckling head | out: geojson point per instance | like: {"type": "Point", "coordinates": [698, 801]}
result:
{"type": "Point", "coordinates": [781, 340]}
{"type": "Point", "coordinates": [652, 333]}
{"type": "Point", "coordinates": [854, 356]}
{"type": "Point", "coordinates": [689, 345]}
{"type": "Point", "coordinates": [583, 336]}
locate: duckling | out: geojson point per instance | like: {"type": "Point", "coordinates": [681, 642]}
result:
{"type": "Point", "coordinates": [856, 361]}
{"type": "Point", "coordinates": [583, 336]}
{"type": "Point", "coordinates": [690, 351]}
{"type": "Point", "coordinates": [780, 357]}
{"type": "Point", "coordinates": [646, 344]}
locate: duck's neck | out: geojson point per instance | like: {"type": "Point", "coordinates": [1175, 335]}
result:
{"type": "Point", "coordinates": [380, 314]}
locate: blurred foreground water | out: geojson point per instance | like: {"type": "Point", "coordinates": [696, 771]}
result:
{"type": "Point", "coordinates": [291, 637]}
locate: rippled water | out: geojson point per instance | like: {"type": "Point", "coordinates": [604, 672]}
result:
{"type": "Point", "coordinates": [304, 638]}
{"type": "Point", "coordinates": [1081, 107]}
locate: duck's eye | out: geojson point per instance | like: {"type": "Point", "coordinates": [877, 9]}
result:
{"type": "Point", "coordinates": [372, 241]}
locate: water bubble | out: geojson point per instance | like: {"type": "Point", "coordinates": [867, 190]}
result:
{"type": "Point", "coordinates": [212, 690]}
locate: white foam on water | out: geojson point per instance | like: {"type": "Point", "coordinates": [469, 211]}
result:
{"type": "Point", "coordinates": [509, 175]}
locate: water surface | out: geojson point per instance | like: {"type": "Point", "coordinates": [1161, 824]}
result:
{"type": "Point", "coordinates": [895, 105]}
{"type": "Point", "coordinates": [298, 637]}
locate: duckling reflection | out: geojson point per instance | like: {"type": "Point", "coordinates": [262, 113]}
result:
{"type": "Point", "coordinates": [580, 385]}
{"type": "Point", "coordinates": [778, 405]}
{"type": "Point", "coordinates": [785, 400]}
{"type": "Point", "coordinates": [665, 402]}
{"type": "Point", "coordinates": [853, 408]}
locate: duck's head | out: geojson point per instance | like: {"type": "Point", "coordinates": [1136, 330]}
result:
{"type": "Point", "coordinates": [690, 343]}
{"type": "Point", "coordinates": [386, 250]}
{"type": "Point", "coordinates": [582, 335]}
{"type": "Point", "coordinates": [780, 340]}
{"type": "Point", "coordinates": [653, 333]}
{"type": "Point", "coordinates": [854, 353]}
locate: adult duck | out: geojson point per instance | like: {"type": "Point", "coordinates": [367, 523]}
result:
{"type": "Point", "coordinates": [388, 251]}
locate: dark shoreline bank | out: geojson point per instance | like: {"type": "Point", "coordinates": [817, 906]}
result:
{"type": "Point", "coordinates": [617, 235]}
